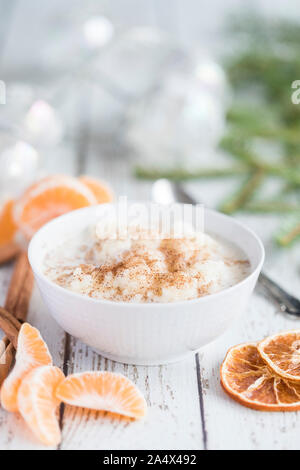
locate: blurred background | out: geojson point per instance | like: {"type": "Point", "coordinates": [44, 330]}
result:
{"type": "Point", "coordinates": [134, 90]}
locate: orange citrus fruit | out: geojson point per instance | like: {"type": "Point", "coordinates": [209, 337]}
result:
{"type": "Point", "coordinates": [101, 191]}
{"type": "Point", "coordinates": [32, 352]}
{"type": "Point", "coordinates": [282, 354]}
{"type": "Point", "coordinates": [8, 226]}
{"type": "Point", "coordinates": [37, 403]}
{"type": "Point", "coordinates": [49, 198]}
{"type": "Point", "coordinates": [103, 391]}
{"type": "Point", "coordinates": [247, 379]}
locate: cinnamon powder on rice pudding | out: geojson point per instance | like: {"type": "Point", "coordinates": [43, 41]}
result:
{"type": "Point", "coordinates": [145, 267]}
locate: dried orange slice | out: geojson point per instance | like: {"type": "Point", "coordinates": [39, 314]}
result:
{"type": "Point", "coordinates": [8, 226]}
{"type": "Point", "coordinates": [49, 198]}
{"type": "Point", "coordinates": [103, 391]}
{"type": "Point", "coordinates": [247, 379]}
{"type": "Point", "coordinates": [37, 403]}
{"type": "Point", "coordinates": [32, 352]}
{"type": "Point", "coordinates": [101, 190]}
{"type": "Point", "coordinates": [282, 354]}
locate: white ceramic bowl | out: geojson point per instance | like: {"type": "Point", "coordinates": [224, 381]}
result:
{"type": "Point", "coordinates": [144, 334]}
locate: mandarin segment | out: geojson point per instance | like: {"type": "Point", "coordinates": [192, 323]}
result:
{"type": "Point", "coordinates": [247, 379]}
{"type": "Point", "coordinates": [282, 354]}
{"type": "Point", "coordinates": [37, 403]}
{"type": "Point", "coordinates": [32, 352]}
{"type": "Point", "coordinates": [103, 391]}
{"type": "Point", "coordinates": [101, 190]}
{"type": "Point", "coordinates": [50, 198]}
{"type": "Point", "coordinates": [8, 226]}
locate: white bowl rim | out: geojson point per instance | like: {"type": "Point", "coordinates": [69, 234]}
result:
{"type": "Point", "coordinates": [38, 272]}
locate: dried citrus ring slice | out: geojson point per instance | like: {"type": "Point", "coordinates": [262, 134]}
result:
{"type": "Point", "coordinates": [282, 354]}
{"type": "Point", "coordinates": [101, 190]}
{"type": "Point", "coordinates": [103, 391]}
{"type": "Point", "coordinates": [49, 198]}
{"type": "Point", "coordinates": [8, 226]}
{"type": "Point", "coordinates": [247, 379]}
{"type": "Point", "coordinates": [32, 352]}
{"type": "Point", "coordinates": [37, 403]}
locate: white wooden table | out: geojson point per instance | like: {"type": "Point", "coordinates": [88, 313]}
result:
{"type": "Point", "coordinates": [187, 407]}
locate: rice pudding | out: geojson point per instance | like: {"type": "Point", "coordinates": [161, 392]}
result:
{"type": "Point", "coordinates": [144, 266]}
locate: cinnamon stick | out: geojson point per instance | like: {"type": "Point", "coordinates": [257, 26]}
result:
{"type": "Point", "coordinates": [10, 325]}
{"type": "Point", "coordinates": [22, 306]}
{"type": "Point", "coordinates": [17, 283]}
{"type": "Point", "coordinates": [17, 303]}
{"type": "Point", "coordinates": [6, 359]}
{"type": "Point", "coordinates": [8, 252]}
